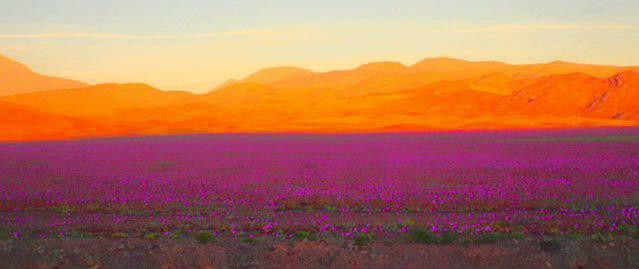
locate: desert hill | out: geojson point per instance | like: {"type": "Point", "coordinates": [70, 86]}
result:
{"type": "Point", "coordinates": [434, 94]}
{"type": "Point", "coordinates": [17, 78]}
{"type": "Point", "coordinates": [99, 100]}
{"type": "Point", "coordinates": [488, 76]}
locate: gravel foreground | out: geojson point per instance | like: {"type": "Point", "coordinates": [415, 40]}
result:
{"type": "Point", "coordinates": [229, 253]}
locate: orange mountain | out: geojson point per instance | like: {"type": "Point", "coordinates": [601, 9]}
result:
{"type": "Point", "coordinates": [16, 78]}
{"type": "Point", "coordinates": [434, 94]}
{"type": "Point", "coordinates": [99, 100]}
{"type": "Point", "coordinates": [20, 123]}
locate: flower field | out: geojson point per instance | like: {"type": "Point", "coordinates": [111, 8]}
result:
{"type": "Point", "coordinates": [437, 187]}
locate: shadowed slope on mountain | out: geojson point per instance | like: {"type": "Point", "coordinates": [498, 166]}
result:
{"type": "Point", "coordinates": [577, 94]}
{"type": "Point", "coordinates": [99, 100]}
{"type": "Point", "coordinates": [20, 123]}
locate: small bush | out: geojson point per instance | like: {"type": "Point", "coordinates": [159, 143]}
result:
{"type": "Point", "coordinates": [304, 235]}
{"type": "Point", "coordinates": [517, 235]}
{"type": "Point", "coordinates": [576, 236]}
{"type": "Point", "coordinates": [487, 238]}
{"type": "Point", "coordinates": [177, 234]}
{"type": "Point", "coordinates": [76, 234]}
{"type": "Point", "coordinates": [119, 235]}
{"type": "Point", "coordinates": [447, 238]}
{"type": "Point", "coordinates": [151, 236]}
{"type": "Point", "coordinates": [55, 235]}
{"type": "Point", "coordinates": [65, 209]}
{"type": "Point", "coordinates": [602, 238]}
{"type": "Point", "coordinates": [330, 208]}
{"type": "Point", "coordinates": [205, 237]}
{"type": "Point", "coordinates": [632, 231]}
{"type": "Point", "coordinates": [363, 239]}
{"type": "Point", "coordinates": [4, 235]}
{"type": "Point", "coordinates": [408, 222]}
{"type": "Point", "coordinates": [421, 236]}
{"type": "Point", "coordinates": [249, 240]}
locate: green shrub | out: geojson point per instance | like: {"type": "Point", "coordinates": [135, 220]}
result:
{"type": "Point", "coordinates": [602, 238]}
{"type": "Point", "coordinates": [492, 237]}
{"type": "Point", "coordinates": [249, 240]}
{"type": "Point", "coordinates": [575, 236]}
{"type": "Point", "coordinates": [632, 231]}
{"type": "Point", "coordinates": [304, 235]}
{"type": "Point", "coordinates": [447, 237]}
{"type": "Point", "coordinates": [488, 238]}
{"type": "Point", "coordinates": [517, 235]}
{"type": "Point", "coordinates": [55, 235]}
{"type": "Point", "coordinates": [330, 208]}
{"type": "Point", "coordinates": [177, 234]}
{"type": "Point", "coordinates": [77, 234]}
{"type": "Point", "coordinates": [205, 237]}
{"type": "Point", "coordinates": [408, 222]}
{"type": "Point", "coordinates": [65, 209]}
{"type": "Point", "coordinates": [119, 235]}
{"type": "Point", "coordinates": [4, 235]}
{"type": "Point", "coordinates": [421, 236]}
{"type": "Point", "coordinates": [151, 236]}
{"type": "Point", "coordinates": [363, 239]}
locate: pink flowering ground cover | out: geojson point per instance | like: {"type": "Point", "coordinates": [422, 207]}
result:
{"type": "Point", "coordinates": [436, 187]}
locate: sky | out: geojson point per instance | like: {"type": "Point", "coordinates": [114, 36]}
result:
{"type": "Point", "coordinates": [196, 45]}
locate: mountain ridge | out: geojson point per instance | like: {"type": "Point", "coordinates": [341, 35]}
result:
{"type": "Point", "coordinates": [374, 97]}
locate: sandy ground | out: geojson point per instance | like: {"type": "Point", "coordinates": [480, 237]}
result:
{"type": "Point", "coordinates": [268, 253]}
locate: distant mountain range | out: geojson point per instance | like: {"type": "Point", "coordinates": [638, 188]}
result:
{"type": "Point", "coordinates": [433, 94]}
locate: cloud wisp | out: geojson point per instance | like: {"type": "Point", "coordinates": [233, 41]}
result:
{"type": "Point", "coordinates": [117, 36]}
{"type": "Point", "coordinates": [542, 27]}
{"type": "Point", "coordinates": [296, 31]}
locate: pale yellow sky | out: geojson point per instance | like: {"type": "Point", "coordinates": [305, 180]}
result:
{"type": "Point", "coordinates": [195, 46]}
